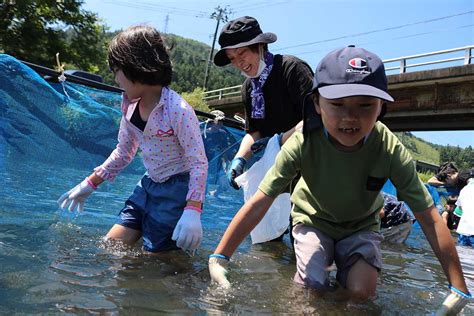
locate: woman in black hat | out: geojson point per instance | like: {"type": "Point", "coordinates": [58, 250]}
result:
{"type": "Point", "coordinates": [273, 92]}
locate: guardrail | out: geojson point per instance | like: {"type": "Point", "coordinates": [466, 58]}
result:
{"type": "Point", "coordinates": [402, 66]}
{"type": "Point", "coordinates": [220, 93]}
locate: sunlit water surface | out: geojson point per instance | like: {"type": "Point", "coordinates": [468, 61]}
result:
{"type": "Point", "coordinates": [52, 261]}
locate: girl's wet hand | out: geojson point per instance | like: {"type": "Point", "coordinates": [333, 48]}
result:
{"type": "Point", "coordinates": [188, 230]}
{"type": "Point", "coordinates": [77, 196]}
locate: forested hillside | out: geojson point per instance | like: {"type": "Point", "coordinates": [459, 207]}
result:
{"type": "Point", "coordinates": [436, 154]}
{"type": "Point", "coordinates": [189, 66]}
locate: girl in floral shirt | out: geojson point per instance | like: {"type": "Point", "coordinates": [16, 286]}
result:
{"type": "Point", "coordinates": [165, 206]}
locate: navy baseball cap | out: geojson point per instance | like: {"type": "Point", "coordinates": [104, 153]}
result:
{"type": "Point", "coordinates": [351, 71]}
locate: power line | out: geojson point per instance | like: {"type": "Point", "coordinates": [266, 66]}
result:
{"type": "Point", "coordinates": [244, 3]}
{"type": "Point", "coordinates": [256, 6]}
{"type": "Point", "coordinates": [389, 39]}
{"type": "Point", "coordinates": [160, 6]}
{"type": "Point", "coordinates": [154, 7]}
{"type": "Point", "coordinates": [376, 31]}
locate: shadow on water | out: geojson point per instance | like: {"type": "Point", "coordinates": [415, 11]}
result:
{"type": "Point", "coordinates": [53, 261]}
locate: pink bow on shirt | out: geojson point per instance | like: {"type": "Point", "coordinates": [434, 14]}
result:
{"type": "Point", "coordinates": [169, 132]}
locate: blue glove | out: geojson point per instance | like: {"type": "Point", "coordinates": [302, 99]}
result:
{"type": "Point", "coordinates": [235, 170]}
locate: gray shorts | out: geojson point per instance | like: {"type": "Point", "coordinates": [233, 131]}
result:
{"type": "Point", "coordinates": [397, 234]}
{"type": "Point", "coordinates": [316, 251]}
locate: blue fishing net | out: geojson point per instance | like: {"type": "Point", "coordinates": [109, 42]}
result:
{"type": "Point", "coordinates": [68, 124]}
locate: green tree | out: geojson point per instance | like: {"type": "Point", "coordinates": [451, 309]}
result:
{"type": "Point", "coordinates": [462, 158]}
{"type": "Point", "coordinates": [189, 61]}
{"type": "Point", "coordinates": [35, 31]}
{"type": "Point", "coordinates": [195, 100]}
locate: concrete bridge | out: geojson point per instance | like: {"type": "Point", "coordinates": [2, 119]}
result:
{"type": "Point", "coordinates": [425, 100]}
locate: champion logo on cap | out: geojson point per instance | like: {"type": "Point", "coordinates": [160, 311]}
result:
{"type": "Point", "coordinates": [358, 65]}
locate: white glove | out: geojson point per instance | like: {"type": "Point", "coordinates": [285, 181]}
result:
{"type": "Point", "coordinates": [218, 271]}
{"type": "Point", "coordinates": [188, 231]}
{"type": "Point", "coordinates": [76, 196]}
{"type": "Point", "coordinates": [453, 303]}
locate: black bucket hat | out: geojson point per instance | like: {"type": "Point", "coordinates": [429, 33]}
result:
{"type": "Point", "coordinates": [241, 32]}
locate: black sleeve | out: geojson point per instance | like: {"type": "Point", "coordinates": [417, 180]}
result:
{"type": "Point", "coordinates": [299, 80]}
{"type": "Point", "coordinates": [247, 101]}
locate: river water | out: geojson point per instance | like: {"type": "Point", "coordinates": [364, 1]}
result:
{"type": "Point", "coordinates": [53, 261]}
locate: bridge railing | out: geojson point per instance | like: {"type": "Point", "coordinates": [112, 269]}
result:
{"type": "Point", "coordinates": [403, 65]}
{"type": "Point", "coordinates": [403, 61]}
{"type": "Point", "coordinates": [221, 93]}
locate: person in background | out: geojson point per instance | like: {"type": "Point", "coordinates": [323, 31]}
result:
{"type": "Point", "coordinates": [446, 175]}
{"type": "Point", "coordinates": [273, 93]}
{"type": "Point", "coordinates": [465, 202]}
{"type": "Point", "coordinates": [450, 218]}
{"type": "Point", "coordinates": [451, 178]}
{"type": "Point", "coordinates": [165, 207]}
{"type": "Point", "coordinates": [274, 89]}
{"type": "Point", "coordinates": [356, 154]}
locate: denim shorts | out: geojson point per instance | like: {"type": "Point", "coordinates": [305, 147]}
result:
{"type": "Point", "coordinates": [315, 252]}
{"type": "Point", "coordinates": [154, 209]}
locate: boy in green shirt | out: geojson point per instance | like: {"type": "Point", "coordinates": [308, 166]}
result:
{"type": "Point", "coordinates": [344, 163]}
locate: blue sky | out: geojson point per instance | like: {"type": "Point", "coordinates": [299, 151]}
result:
{"type": "Point", "coordinates": [311, 28]}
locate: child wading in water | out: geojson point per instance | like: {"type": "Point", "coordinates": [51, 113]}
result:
{"type": "Point", "coordinates": [165, 207]}
{"type": "Point", "coordinates": [344, 162]}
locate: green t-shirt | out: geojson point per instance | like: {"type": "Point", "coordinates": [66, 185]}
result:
{"type": "Point", "coordinates": [338, 192]}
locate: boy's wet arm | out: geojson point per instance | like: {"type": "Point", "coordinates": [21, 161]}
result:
{"type": "Point", "coordinates": [443, 246]}
{"type": "Point", "coordinates": [249, 215]}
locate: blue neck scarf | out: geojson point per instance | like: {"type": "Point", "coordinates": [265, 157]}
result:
{"type": "Point", "coordinates": [258, 102]}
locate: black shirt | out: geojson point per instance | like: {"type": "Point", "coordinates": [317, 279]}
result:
{"type": "Point", "coordinates": [137, 120]}
{"type": "Point", "coordinates": [284, 92]}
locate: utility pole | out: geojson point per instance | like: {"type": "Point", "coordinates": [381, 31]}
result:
{"type": "Point", "coordinates": [167, 19]}
{"type": "Point", "coordinates": [219, 14]}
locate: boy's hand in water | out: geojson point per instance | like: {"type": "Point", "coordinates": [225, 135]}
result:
{"type": "Point", "coordinates": [217, 269]}
{"type": "Point", "coordinates": [77, 196]}
{"type": "Point", "coordinates": [454, 302]}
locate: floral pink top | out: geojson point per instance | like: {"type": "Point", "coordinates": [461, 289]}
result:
{"type": "Point", "coordinates": [171, 143]}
